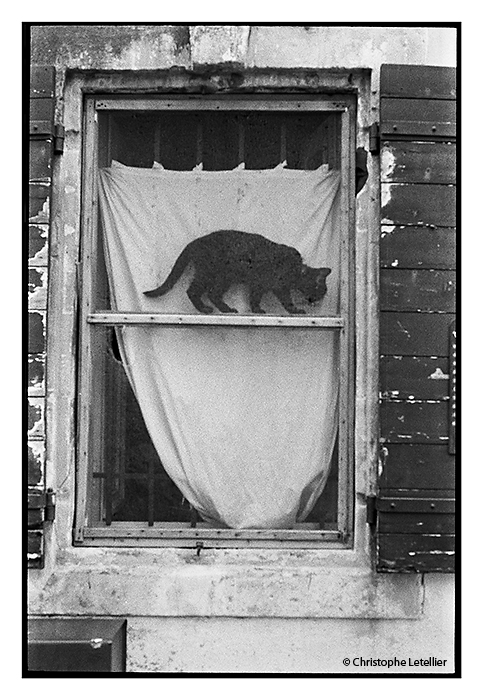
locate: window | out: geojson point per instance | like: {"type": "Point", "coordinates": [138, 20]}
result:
{"type": "Point", "coordinates": [125, 494]}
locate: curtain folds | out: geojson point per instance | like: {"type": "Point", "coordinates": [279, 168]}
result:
{"type": "Point", "coordinates": [244, 419]}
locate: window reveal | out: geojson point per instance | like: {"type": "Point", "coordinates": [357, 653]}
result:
{"type": "Point", "coordinates": [131, 484]}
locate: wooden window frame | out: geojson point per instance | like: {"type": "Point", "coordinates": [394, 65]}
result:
{"type": "Point", "coordinates": [137, 534]}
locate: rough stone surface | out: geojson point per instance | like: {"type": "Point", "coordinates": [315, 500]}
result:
{"type": "Point", "coordinates": [118, 47]}
{"type": "Point", "coordinates": [219, 45]}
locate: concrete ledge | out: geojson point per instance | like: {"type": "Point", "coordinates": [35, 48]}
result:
{"type": "Point", "coordinates": [200, 588]}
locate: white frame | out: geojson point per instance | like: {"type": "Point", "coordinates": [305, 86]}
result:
{"type": "Point", "coordinates": [172, 534]}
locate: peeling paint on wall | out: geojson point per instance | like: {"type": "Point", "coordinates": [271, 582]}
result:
{"type": "Point", "coordinates": [35, 370]}
{"type": "Point", "coordinates": [388, 163]}
{"type": "Point", "coordinates": [37, 288]}
{"type": "Point", "coordinates": [38, 244]}
{"type": "Point", "coordinates": [438, 374]}
{"type": "Point", "coordinates": [35, 462]}
{"type": "Point", "coordinates": [385, 199]}
{"type": "Point", "coordinates": [39, 204]}
{"type": "Point", "coordinates": [35, 417]}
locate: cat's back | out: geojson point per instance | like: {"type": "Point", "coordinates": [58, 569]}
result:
{"type": "Point", "coordinates": [233, 237]}
{"type": "Point", "coordinates": [235, 240]}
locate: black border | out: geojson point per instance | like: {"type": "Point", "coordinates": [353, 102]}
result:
{"type": "Point", "coordinates": [26, 53]}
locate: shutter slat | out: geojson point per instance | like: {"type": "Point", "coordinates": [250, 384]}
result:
{"type": "Point", "coordinates": [414, 377]}
{"type": "Point", "coordinates": [414, 421]}
{"type": "Point", "coordinates": [36, 332]}
{"type": "Point", "coordinates": [429, 119]}
{"type": "Point", "coordinates": [418, 247]}
{"type": "Point", "coordinates": [410, 466]}
{"type": "Point", "coordinates": [416, 110]}
{"type": "Point", "coordinates": [424, 82]}
{"type": "Point", "coordinates": [418, 205]}
{"type": "Point", "coordinates": [411, 523]}
{"type": "Point", "coordinates": [415, 504]}
{"type": "Point", "coordinates": [35, 462]}
{"type": "Point", "coordinates": [414, 334]}
{"type": "Point", "coordinates": [416, 552]}
{"type": "Point", "coordinates": [417, 162]}
{"type": "Point", "coordinates": [417, 290]}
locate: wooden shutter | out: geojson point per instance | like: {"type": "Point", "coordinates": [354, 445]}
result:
{"type": "Point", "coordinates": [41, 147]}
{"type": "Point", "coordinates": [415, 503]}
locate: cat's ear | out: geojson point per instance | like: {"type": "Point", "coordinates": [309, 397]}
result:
{"type": "Point", "coordinates": [323, 273]}
{"type": "Point", "coordinates": [310, 272]}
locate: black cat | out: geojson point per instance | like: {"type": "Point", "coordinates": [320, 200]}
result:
{"type": "Point", "coordinates": [224, 258]}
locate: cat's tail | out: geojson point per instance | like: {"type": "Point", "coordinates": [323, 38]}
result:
{"type": "Point", "coordinates": [178, 269]}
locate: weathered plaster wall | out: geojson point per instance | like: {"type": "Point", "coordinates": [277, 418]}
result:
{"type": "Point", "coordinates": [148, 47]}
{"type": "Point", "coordinates": [235, 610]}
{"type": "Point", "coordinates": [234, 645]}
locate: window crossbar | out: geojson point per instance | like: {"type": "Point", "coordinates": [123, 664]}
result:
{"type": "Point", "coordinates": [160, 319]}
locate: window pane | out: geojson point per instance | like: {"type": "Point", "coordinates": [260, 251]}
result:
{"type": "Point", "coordinates": [128, 481]}
{"type": "Point", "coordinates": [220, 141]}
{"type": "Point", "coordinates": [131, 484]}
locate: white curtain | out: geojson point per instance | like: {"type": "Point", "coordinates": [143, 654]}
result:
{"type": "Point", "coordinates": [244, 419]}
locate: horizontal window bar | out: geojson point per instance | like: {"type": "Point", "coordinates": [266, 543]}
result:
{"type": "Point", "coordinates": [145, 319]}
{"type": "Point", "coordinates": [143, 530]}
{"type": "Point", "coordinates": [218, 543]}
{"type": "Point", "coordinates": [197, 105]}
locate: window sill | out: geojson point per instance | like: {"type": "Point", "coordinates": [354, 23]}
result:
{"type": "Point", "coordinates": [175, 582]}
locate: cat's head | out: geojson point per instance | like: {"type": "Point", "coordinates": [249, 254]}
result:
{"type": "Point", "coordinates": [313, 283]}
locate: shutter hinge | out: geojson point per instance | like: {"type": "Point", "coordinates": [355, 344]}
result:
{"type": "Point", "coordinates": [375, 138]}
{"type": "Point", "coordinates": [371, 510]}
{"type": "Point", "coordinates": [59, 134]}
{"type": "Point", "coordinates": [49, 510]}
